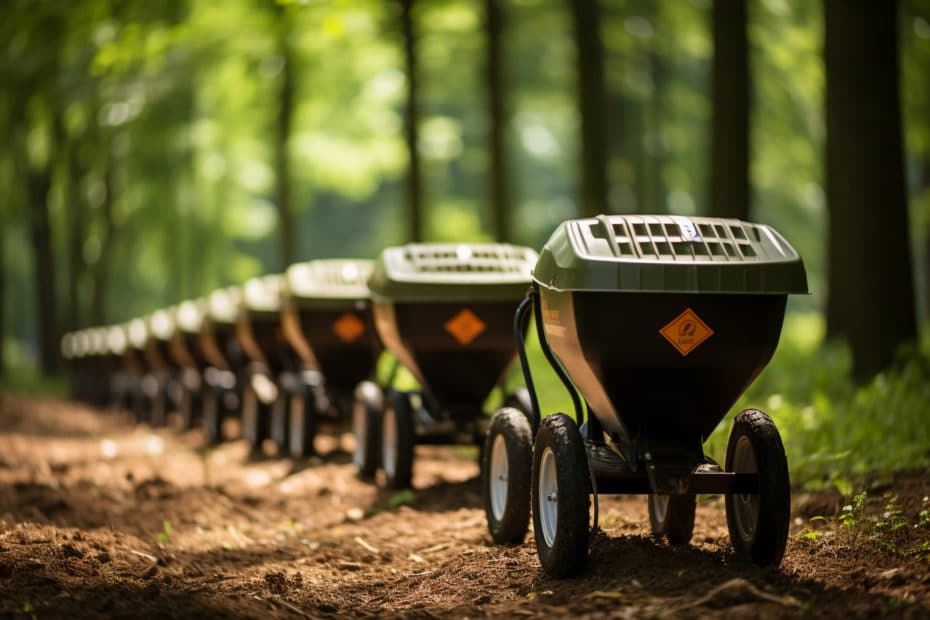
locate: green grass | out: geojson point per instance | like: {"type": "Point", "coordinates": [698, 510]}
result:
{"type": "Point", "coordinates": [27, 380]}
{"type": "Point", "coordinates": [836, 433]}
{"type": "Point", "coordinates": [20, 375]}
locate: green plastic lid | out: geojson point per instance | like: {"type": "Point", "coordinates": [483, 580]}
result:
{"type": "Point", "coordinates": [67, 346]}
{"type": "Point", "coordinates": [116, 340]}
{"type": "Point", "coordinates": [137, 332]}
{"type": "Point", "coordinates": [223, 305]}
{"type": "Point", "coordinates": [98, 341]}
{"type": "Point", "coordinates": [161, 324]}
{"type": "Point", "coordinates": [189, 315]}
{"type": "Point", "coordinates": [452, 272]}
{"type": "Point", "coordinates": [328, 280]}
{"type": "Point", "coordinates": [80, 343]}
{"type": "Point", "coordinates": [669, 254]}
{"type": "Point", "coordinates": [262, 296]}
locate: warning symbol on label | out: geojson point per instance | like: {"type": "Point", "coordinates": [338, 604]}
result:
{"type": "Point", "coordinates": [348, 327]}
{"type": "Point", "coordinates": [686, 331]}
{"type": "Point", "coordinates": [465, 327]}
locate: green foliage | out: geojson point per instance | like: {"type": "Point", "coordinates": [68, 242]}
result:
{"type": "Point", "coordinates": [402, 498]}
{"type": "Point", "coordinates": [22, 378]}
{"type": "Point", "coordinates": [923, 518]}
{"type": "Point", "coordinates": [164, 537]}
{"type": "Point", "coordinates": [833, 431]}
{"type": "Point", "coordinates": [852, 513]}
{"type": "Point", "coordinates": [889, 530]}
{"type": "Point", "coordinates": [788, 129]}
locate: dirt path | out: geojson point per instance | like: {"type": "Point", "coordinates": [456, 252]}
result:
{"type": "Point", "coordinates": [101, 519]}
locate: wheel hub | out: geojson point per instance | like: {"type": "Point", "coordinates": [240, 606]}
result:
{"type": "Point", "coordinates": [389, 442]}
{"type": "Point", "coordinates": [360, 430]}
{"type": "Point", "coordinates": [549, 491]}
{"type": "Point", "coordinates": [500, 470]}
{"type": "Point", "coordinates": [746, 506]}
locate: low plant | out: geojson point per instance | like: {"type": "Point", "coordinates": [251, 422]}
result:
{"type": "Point", "coordinates": [164, 537]}
{"type": "Point", "coordinates": [889, 531]}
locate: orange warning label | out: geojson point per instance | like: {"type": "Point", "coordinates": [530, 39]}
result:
{"type": "Point", "coordinates": [465, 327]}
{"type": "Point", "coordinates": [686, 332]}
{"type": "Point", "coordinates": [348, 327]}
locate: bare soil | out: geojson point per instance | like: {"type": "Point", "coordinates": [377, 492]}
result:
{"type": "Point", "coordinates": [103, 519]}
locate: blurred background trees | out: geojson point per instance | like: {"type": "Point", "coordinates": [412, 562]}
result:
{"type": "Point", "coordinates": [157, 150]}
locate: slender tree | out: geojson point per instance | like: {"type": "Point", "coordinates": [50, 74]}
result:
{"type": "Point", "coordinates": [871, 290]}
{"type": "Point", "coordinates": [2, 296]}
{"type": "Point", "coordinates": [729, 157]}
{"type": "Point", "coordinates": [100, 270]}
{"type": "Point", "coordinates": [74, 162]}
{"type": "Point", "coordinates": [592, 105]}
{"type": "Point", "coordinates": [33, 114]}
{"type": "Point", "coordinates": [411, 118]}
{"type": "Point", "coordinates": [76, 234]}
{"type": "Point", "coordinates": [499, 189]}
{"type": "Point", "coordinates": [925, 240]}
{"type": "Point", "coordinates": [38, 186]}
{"type": "Point", "coordinates": [283, 126]}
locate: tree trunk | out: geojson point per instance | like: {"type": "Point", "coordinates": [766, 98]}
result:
{"type": "Point", "coordinates": [925, 240]}
{"type": "Point", "coordinates": [871, 289]}
{"type": "Point", "coordinates": [411, 117]}
{"type": "Point", "coordinates": [39, 182]}
{"type": "Point", "coordinates": [926, 281]}
{"type": "Point", "coordinates": [101, 269]}
{"type": "Point", "coordinates": [286, 95]}
{"type": "Point", "coordinates": [2, 299]}
{"type": "Point", "coordinates": [591, 106]}
{"type": "Point", "coordinates": [729, 157]}
{"type": "Point", "coordinates": [497, 119]}
{"type": "Point", "coordinates": [76, 232]}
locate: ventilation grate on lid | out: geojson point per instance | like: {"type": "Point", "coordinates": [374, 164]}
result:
{"type": "Point", "coordinates": [453, 271]}
{"type": "Point", "coordinates": [263, 294]}
{"type": "Point", "coordinates": [330, 278]}
{"type": "Point", "coordinates": [676, 239]}
{"type": "Point", "coordinates": [223, 304]}
{"type": "Point", "coordinates": [463, 258]}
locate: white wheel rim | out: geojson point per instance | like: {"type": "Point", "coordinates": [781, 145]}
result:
{"type": "Point", "coordinates": [659, 506]}
{"type": "Point", "coordinates": [360, 430]}
{"type": "Point", "coordinates": [745, 506]}
{"type": "Point", "coordinates": [498, 477]}
{"type": "Point", "coordinates": [548, 493]}
{"type": "Point", "coordinates": [296, 423]}
{"type": "Point", "coordinates": [389, 443]}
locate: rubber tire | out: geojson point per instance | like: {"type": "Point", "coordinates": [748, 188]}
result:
{"type": "Point", "coordinates": [213, 415]}
{"type": "Point", "coordinates": [255, 420]}
{"type": "Point", "coordinates": [766, 545]}
{"type": "Point", "coordinates": [158, 413]}
{"type": "Point", "coordinates": [279, 428]}
{"type": "Point", "coordinates": [568, 553]}
{"type": "Point", "coordinates": [513, 427]}
{"type": "Point", "coordinates": [677, 524]}
{"type": "Point", "coordinates": [366, 422]}
{"type": "Point", "coordinates": [186, 408]}
{"type": "Point", "coordinates": [397, 407]}
{"type": "Point", "coordinates": [302, 420]}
